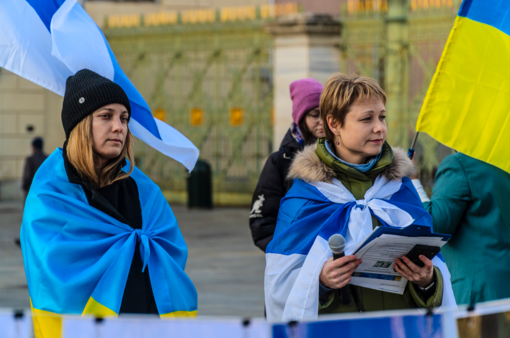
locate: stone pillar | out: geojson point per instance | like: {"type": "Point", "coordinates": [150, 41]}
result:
{"type": "Point", "coordinates": [396, 72]}
{"type": "Point", "coordinates": [305, 45]}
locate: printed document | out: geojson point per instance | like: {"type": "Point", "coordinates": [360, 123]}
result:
{"type": "Point", "coordinates": [378, 257]}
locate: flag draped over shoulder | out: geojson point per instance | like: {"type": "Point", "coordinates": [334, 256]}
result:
{"type": "Point", "coordinates": [77, 258]}
{"type": "Point", "coordinates": [467, 106]}
{"type": "Point", "coordinates": [309, 214]}
{"type": "Point", "coordinates": [46, 41]}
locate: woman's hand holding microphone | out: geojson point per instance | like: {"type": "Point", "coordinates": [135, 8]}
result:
{"type": "Point", "coordinates": [336, 274]}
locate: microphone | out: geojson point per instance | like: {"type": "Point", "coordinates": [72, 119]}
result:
{"type": "Point", "coordinates": [337, 244]}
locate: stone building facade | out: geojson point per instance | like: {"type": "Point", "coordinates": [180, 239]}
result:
{"type": "Point", "coordinates": [26, 111]}
{"type": "Point", "coordinates": [331, 7]}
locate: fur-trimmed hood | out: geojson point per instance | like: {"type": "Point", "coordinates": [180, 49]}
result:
{"type": "Point", "coordinates": [308, 166]}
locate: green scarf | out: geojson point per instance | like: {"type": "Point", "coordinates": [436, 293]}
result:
{"type": "Point", "coordinates": [355, 181]}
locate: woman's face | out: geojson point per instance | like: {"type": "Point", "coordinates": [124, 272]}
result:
{"type": "Point", "coordinates": [363, 132]}
{"type": "Point", "coordinates": [109, 130]}
{"type": "Point", "coordinates": [314, 123]}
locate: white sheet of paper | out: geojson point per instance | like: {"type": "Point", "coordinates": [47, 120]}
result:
{"type": "Point", "coordinates": [378, 257]}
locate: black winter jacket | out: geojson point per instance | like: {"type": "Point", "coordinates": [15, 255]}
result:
{"type": "Point", "coordinates": [32, 163]}
{"type": "Point", "coordinates": [271, 188]}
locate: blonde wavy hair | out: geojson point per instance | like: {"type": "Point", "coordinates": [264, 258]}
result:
{"type": "Point", "coordinates": [81, 155]}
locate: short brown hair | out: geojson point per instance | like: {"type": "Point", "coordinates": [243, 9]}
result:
{"type": "Point", "coordinates": [341, 92]}
{"type": "Point", "coordinates": [81, 155]}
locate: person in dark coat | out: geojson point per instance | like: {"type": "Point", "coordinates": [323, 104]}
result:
{"type": "Point", "coordinates": [32, 163]}
{"type": "Point", "coordinates": [272, 186]}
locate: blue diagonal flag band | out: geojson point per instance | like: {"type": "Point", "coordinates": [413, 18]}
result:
{"type": "Point", "coordinates": [46, 41]}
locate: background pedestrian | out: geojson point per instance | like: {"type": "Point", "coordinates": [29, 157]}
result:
{"type": "Point", "coordinates": [273, 185]}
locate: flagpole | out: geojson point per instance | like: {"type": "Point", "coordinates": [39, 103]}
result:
{"type": "Point", "coordinates": [410, 152]}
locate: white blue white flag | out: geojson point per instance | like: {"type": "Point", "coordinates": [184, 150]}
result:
{"type": "Point", "coordinates": [312, 212]}
{"type": "Point", "coordinates": [46, 41]}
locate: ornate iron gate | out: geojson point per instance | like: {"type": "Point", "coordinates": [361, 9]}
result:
{"type": "Point", "coordinates": [210, 75]}
{"type": "Point", "coordinates": [412, 35]}
{"type": "Point", "coordinates": [212, 82]}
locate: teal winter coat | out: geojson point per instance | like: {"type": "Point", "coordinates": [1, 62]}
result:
{"type": "Point", "coordinates": [471, 201]}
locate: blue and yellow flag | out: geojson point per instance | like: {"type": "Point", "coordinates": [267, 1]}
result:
{"type": "Point", "coordinates": [467, 106]}
{"type": "Point", "coordinates": [77, 258]}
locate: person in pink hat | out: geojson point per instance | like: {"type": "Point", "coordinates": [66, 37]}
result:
{"type": "Point", "coordinates": [272, 186]}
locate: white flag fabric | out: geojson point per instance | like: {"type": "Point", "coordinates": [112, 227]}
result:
{"type": "Point", "coordinates": [299, 249]}
{"type": "Point", "coordinates": [128, 326]}
{"type": "Point", "coordinates": [46, 41]}
{"type": "Point", "coordinates": [360, 222]}
{"type": "Point", "coordinates": [12, 327]}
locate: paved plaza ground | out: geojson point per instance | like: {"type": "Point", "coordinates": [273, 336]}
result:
{"type": "Point", "coordinates": [225, 266]}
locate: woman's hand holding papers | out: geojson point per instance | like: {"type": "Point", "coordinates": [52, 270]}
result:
{"type": "Point", "coordinates": [420, 276]}
{"type": "Point", "coordinates": [336, 274]}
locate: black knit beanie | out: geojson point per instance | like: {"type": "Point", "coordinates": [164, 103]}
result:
{"type": "Point", "coordinates": [86, 92]}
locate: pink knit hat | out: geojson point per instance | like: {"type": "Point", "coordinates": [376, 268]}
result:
{"type": "Point", "coordinates": [305, 95]}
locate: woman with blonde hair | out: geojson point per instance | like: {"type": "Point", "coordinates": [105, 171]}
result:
{"type": "Point", "coordinates": [98, 237]}
{"type": "Point", "coordinates": [347, 183]}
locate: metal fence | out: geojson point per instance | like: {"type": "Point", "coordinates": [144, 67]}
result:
{"type": "Point", "coordinates": [209, 74]}
{"type": "Point", "coordinates": [413, 36]}
{"type": "Point", "coordinates": [212, 82]}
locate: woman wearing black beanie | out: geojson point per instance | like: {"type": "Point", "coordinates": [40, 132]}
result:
{"type": "Point", "coordinates": [98, 237]}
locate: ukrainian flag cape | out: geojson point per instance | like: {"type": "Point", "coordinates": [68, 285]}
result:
{"type": "Point", "coordinates": [77, 258]}
{"type": "Point", "coordinates": [313, 211]}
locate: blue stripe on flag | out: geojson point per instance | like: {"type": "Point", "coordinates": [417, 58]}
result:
{"type": "Point", "coordinates": [52, 57]}
{"type": "Point", "coordinates": [306, 213]}
{"type": "Point", "coordinates": [140, 111]}
{"type": "Point", "coordinates": [46, 9]}
{"type": "Point", "coordinates": [464, 8]}
{"type": "Point", "coordinates": [386, 327]}
{"type": "Point", "coordinates": [297, 237]}
{"type": "Point", "coordinates": [495, 13]}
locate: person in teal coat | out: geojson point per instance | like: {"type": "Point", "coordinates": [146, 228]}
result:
{"type": "Point", "coordinates": [471, 201]}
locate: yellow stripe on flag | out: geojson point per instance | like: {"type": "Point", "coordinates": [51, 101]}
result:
{"type": "Point", "coordinates": [49, 324]}
{"type": "Point", "coordinates": [467, 106]}
{"type": "Point", "coordinates": [46, 324]}
{"type": "Point", "coordinates": [96, 309]}
{"type": "Point", "coordinates": [178, 314]}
